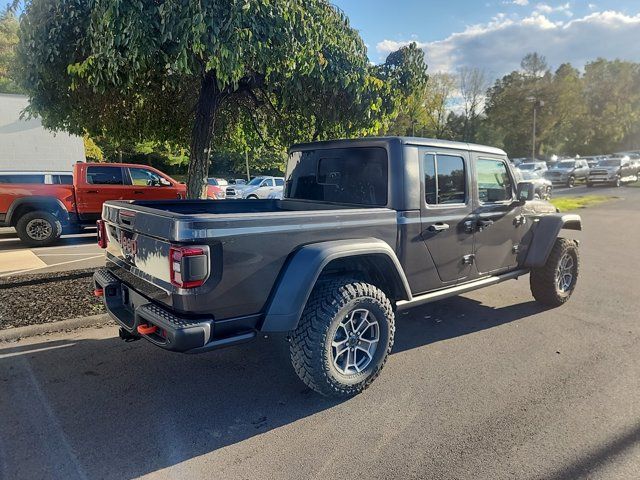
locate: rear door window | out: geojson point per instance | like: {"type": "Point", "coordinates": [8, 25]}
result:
{"type": "Point", "coordinates": [105, 176]}
{"type": "Point", "coordinates": [279, 182]}
{"type": "Point", "coordinates": [444, 179]}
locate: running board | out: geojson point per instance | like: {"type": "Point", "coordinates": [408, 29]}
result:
{"type": "Point", "coordinates": [459, 289]}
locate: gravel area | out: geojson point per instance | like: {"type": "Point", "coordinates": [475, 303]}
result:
{"type": "Point", "coordinates": [47, 297]}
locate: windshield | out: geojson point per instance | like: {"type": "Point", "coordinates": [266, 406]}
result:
{"type": "Point", "coordinates": [256, 181]}
{"type": "Point", "coordinates": [340, 175]}
{"type": "Point", "coordinates": [527, 166]}
{"type": "Point", "coordinates": [566, 164]}
{"type": "Point", "coordinates": [212, 181]}
{"type": "Point", "coordinates": [529, 175]}
{"type": "Point", "coordinates": [611, 162]}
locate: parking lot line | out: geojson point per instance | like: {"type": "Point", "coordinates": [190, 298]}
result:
{"type": "Point", "coordinates": [33, 270]}
{"type": "Point", "coordinates": [19, 259]}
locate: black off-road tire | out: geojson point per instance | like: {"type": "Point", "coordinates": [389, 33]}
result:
{"type": "Point", "coordinates": [252, 197]}
{"type": "Point", "coordinates": [589, 185]}
{"type": "Point", "coordinates": [47, 220]}
{"type": "Point", "coordinates": [310, 347]}
{"type": "Point", "coordinates": [571, 182]}
{"type": "Point", "coordinates": [617, 183]}
{"type": "Point", "coordinates": [543, 279]}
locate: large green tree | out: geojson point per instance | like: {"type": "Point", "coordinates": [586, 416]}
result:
{"type": "Point", "coordinates": [203, 74]}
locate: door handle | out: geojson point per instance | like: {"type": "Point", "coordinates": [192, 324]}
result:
{"type": "Point", "coordinates": [484, 224]}
{"type": "Point", "coordinates": [138, 192]}
{"type": "Point", "coordinates": [92, 191]}
{"type": "Point", "coordinates": [438, 227]}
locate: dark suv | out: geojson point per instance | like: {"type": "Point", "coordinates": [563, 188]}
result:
{"type": "Point", "coordinates": [366, 228]}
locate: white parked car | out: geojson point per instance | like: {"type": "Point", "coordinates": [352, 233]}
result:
{"type": "Point", "coordinates": [259, 187]}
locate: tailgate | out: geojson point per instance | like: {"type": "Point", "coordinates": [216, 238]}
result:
{"type": "Point", "coordinates": [131, 245]}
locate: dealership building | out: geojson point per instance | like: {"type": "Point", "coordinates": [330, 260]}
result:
{"type": "Point", "coordinates": [25, 145]}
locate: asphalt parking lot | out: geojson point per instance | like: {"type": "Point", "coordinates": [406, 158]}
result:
{"type": "Point", "coordinates": [484, 386]}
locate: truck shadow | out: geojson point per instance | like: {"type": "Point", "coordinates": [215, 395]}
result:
{"type": "Point", "coordinates": [109, 409]}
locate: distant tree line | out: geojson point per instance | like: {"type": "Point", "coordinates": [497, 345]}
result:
{"type": "Point", "coordinates": [593, 112]}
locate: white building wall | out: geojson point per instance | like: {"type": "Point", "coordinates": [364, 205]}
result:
{"type": "Point", "coordinates": [27, 145]}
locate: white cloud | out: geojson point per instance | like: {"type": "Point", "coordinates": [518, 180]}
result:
{"type": "Point", "coordinates": [499, 45]}
{"type": "Point", "coordinates": [522, 3]}
{"type": "Point", "coordinates": [547, 9]}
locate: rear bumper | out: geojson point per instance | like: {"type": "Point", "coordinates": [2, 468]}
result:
{"type": "Point", "coordinates": [173, 332]}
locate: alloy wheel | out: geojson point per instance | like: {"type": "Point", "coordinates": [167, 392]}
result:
{"type": "Point", "coordinates": [565, 273]}
{"type": "Point", "coordinates": [39, 229]}
{"type": "Point", "coordinates": [355, 342]}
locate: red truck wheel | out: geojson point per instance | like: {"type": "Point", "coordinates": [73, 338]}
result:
{"type": "Point", "coordinates": [39, 228]}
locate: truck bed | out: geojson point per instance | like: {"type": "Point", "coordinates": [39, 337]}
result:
{"type": "Point", "coordinates": [249, 242]}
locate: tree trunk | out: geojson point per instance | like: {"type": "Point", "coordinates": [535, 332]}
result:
{"type": "Point", "coordinates": [199, 158]}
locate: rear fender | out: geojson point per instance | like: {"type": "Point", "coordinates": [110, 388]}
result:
{"type": "Point", "coordinates": [300, 274]}
{"type": "Point", "coordinates": [29, 204]}
{"type": "Point", "coordinates": [545, 234]}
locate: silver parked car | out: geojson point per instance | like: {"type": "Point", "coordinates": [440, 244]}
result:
{"type": "Point", "coordinates": [537, 167]}
{"type": "Point", "coordinates": [259, 187]}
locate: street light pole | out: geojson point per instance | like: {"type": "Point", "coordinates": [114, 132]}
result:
{"type": "Point", "coordinates": [536, 103]}
{"type": "Point", "coordinates": [533, 147]}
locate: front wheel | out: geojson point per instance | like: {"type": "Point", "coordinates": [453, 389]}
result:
{"type": "Point", "coordinates": [553, 283]}
{"type": "Point", "coordinates": [617, 182]}
{"type": "Point", "coordinates": [571, 182]}
{"type": "Point", "coordinates": [39, 228]}
{"type": "Point", "coordinates": [252, 197]}
{"type": "Point", "coordinates": [343, 338]}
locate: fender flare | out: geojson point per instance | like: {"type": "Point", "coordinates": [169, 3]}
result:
{"type": "Point", "coordinates": [299, 275]}
{"type": "Point", "coordinates": [35, 201]}
{"type": "Point", "coordinates": [545, 234]}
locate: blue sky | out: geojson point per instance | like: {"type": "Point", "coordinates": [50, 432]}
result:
{"type": "Point", "coordinates": [496, 34]}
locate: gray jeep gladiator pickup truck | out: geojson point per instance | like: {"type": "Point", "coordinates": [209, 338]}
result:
{"type": "Point", "coordinates": [366, 228]}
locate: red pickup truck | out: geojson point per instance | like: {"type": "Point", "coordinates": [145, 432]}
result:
{"type": "Point", "coordinates": [41, 212]}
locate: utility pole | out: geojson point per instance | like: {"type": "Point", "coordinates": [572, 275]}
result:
{"type": "Point", "coordinates": [246, 161]}
{"type": "Point", "coordinates": [533, 143]}
{"type": "Point", "coordinates": [536, 104]}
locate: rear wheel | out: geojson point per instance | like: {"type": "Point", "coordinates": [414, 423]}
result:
{"type": "Point", "coordinates": [589, 185]}
{"type": "Point", "coordinates": [39, 228]}
{"type": "Point", "coordinates": [553, 283]}
{"type": "Point", "coordinates": [343, 338]}
{"type": "Point", "coordinates": [252, 197]}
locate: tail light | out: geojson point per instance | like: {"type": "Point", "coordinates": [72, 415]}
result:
{"type": "Point", "coordinates": [188, 266]}
{"type": "Point", "coordinates": [102, 233]}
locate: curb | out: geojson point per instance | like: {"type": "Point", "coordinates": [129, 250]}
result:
{"type": "Point", "coordinates": [41, 328]}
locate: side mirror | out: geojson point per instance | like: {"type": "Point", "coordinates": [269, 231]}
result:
{"type": "Point", "coordinates": [525, 192]}
{"type": "Point", "coordinates": [164, 182]}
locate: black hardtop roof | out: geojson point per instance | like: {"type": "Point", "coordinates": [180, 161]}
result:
{"type": "Point", "coordinates": [379, 141]}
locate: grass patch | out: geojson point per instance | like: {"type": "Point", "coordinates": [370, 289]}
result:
{"type": "Point", "coordinates": [565, 204]}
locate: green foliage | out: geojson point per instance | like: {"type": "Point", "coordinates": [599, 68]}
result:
{"type": "Point", "coordinates": [92, 152]}
{"type": "Point", "coordinates": [205, 74]}
{"type": "Point", "coordinates": [8, 40]}
{"type": "Point", "coordinates": [596, 112]}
